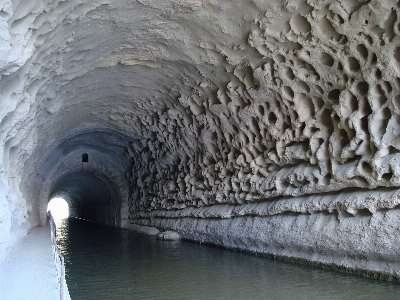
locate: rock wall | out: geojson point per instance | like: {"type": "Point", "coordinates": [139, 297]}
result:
{"type": "Point", "coordinates": [318, 115]}
{"type": "Point", "coordinates": [259, 125]}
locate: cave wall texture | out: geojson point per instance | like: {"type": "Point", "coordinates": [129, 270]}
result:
{"type": "Point", "coordinates": [268, 126]}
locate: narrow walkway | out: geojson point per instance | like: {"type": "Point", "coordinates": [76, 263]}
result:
{"type": "Point", "coordinates": [30, 273]}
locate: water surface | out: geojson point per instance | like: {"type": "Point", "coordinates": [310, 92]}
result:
{"type": "Point", "coordinates": [110, 263]}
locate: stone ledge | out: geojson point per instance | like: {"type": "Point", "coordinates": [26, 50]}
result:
{"type": "Point", "coordinates": [357, 242]}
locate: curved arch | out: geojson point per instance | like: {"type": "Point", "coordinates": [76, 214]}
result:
{"type": "Point", "coordinates": [91, 195]}
{"type": "Point", "coordinates": [80, 184]}
{"type": "Point", "coordinates": [107, 150]}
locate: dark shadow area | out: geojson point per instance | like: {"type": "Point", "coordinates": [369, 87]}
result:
{"type": "Point", "coordinates": [91, 196]}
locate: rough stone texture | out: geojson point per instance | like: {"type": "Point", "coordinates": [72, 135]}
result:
{"type": "Point", "coordinates": [142, 229]}
{"type": "Point", "coordinates": [169, 236]}
{"type": "Point", "coordinates": [261, 125]}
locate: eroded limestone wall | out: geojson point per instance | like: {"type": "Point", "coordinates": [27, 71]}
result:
{"type": "Point", "coordinates": [238, 123]}
{"type": "Point", "coordinates": [318, 115]}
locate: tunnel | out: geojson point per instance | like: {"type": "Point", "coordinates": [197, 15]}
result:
{"type": "Point", "coordinates": [270, 127]}
{"type": "Point", "coordinates": [89, 196]}
{"type": "Point", "coordinates": [87, 168]}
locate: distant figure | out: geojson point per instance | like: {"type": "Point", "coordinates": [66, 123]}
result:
{"type": "Point", "coordinates": [49, 215]}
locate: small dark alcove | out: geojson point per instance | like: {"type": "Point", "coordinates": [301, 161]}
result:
{"type": "Point", "coordinates": [85, 158]}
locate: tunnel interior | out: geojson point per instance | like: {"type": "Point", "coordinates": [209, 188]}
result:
{"type": "Point", "coordinates": [264, 126]}
{"type": "Point", "coordinates": [88, 168]}
{"type": "Point", "coordinates": [90, 196]}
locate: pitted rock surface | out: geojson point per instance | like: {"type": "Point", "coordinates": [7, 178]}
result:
{"type": "Point", "coordinates": [192, 110]}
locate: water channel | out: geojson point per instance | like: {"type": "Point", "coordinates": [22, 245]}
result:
{"type": "Point", "coordinates": [110, 263]}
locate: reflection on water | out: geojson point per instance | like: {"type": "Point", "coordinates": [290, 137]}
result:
{"type": "Point", "coordinates": [109, 263]}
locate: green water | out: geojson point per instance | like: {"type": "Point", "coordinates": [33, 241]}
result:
{"type": "Point", "coordinates": [109, 263]}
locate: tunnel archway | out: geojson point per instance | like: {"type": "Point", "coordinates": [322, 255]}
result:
{"type": "Point", "coordinates": [91, 195]}
{"type": "Point", "coordinates": [106, 151]}
{"type": "Point", "coordinates": [59, 209]}
{"type": "Point", "coordinates": [209, 112]}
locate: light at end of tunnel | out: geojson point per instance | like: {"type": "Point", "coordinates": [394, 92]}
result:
{"type": "Point", "coordinates": [59, 209]}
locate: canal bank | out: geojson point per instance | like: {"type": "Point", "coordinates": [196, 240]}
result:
{"type": "Point", "coordinates": [29, 271]}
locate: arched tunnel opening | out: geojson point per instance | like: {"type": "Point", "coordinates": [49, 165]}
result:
{"type": "Point", "coordinates": [59, 209]}
{"type": "Point", "coordinates": [90, 195]}
{"type": "Point", "coordinates": [90, 167]}
{"type": "Point", "coordinates": [268, 127]}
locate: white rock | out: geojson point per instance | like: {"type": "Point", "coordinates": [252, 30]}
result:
{"type": "Point", "coordinates": [248, 112]}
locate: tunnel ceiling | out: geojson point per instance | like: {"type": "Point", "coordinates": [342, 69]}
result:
{"type": "Point", "coordinates": [216, 101]}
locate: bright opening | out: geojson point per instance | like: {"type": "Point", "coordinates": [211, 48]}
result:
{"type": "Point", "coordinates": [59, 209]}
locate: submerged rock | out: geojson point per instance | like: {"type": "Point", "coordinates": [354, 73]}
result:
{"type": "Point", "coordinates": [169, 236]}
{"type": "Point", "coordinates": [148, 230]}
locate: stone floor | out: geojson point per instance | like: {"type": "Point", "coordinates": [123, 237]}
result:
{"type": "Point", "coordinates": [29, 272]}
